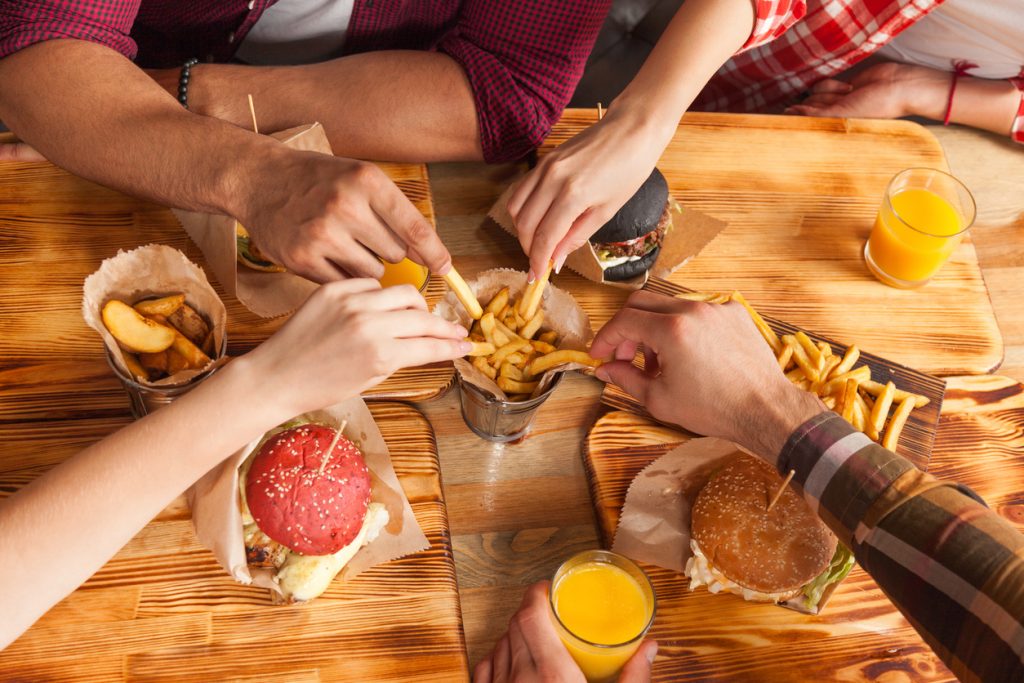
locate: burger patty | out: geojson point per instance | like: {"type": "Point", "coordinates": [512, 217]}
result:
{"type": "Point", "coordinates": [639, 245]}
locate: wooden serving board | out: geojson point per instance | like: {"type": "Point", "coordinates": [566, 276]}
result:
{"type": "Point", "coordinates": [918, 435]}
{"type": "Point", "coordinates": [860, 635]}
{"type": "Point", "coordinates": [55, 230]}
{"type": "Point", "coordinates": [800, 196]}
{"type": "Point", "coordinates": [163, 610]}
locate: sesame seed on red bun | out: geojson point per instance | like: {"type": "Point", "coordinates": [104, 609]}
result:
{"type": "Point", "coordinates": [311, 506]}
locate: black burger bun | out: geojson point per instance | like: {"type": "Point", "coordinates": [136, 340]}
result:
{"type": "Point", "coordinates": [771, 552]}
{"type": "Point", "coordinates": [638, 216]}
{"type": "Point", "coordinates": [631, 269]}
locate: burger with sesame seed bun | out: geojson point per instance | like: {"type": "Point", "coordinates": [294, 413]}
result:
{"type": "Point", "coordinates": [786, 554]}
{"type": "Point", "coordinates": [306, 510]}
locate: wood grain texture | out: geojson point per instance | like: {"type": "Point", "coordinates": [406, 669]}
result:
{"type": "Point", "coordinates": [860, 635]}
{"type": "Point", "coordinates": [800, 196]}
{"type": "Point", "coordinates": [55, 230]}
{"type": "Point", "coordinates": [917, 437]}
{"type": "Point", "coordinates": [162, 609]}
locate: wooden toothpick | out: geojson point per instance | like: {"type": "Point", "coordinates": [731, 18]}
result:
{"type": "Point", "coordinates": [778, 494]}
{"type": "Point", "coordinates": [252, 110]}
{"type": "Point", "coordinates": [330, 449]}
{"type": "Point", "coordinates": [600, 111]}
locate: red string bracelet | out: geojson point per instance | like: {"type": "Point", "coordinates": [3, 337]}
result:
{"type": "Point", "coordinates": [960, 68]}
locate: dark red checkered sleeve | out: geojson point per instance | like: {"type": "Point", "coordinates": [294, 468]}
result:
{"type": "Point", "coordinates": [523, 60]}
{"type": "Point", "coordinates": [107, 22]}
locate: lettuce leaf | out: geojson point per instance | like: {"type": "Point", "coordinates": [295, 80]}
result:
{"type": "Point", "coordinates": [838, 568]}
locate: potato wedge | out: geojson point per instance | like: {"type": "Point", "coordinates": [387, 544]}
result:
{"type": "Point", "coordinates": [134, 331]}
{"type": "Point", "coordinates": [187, 321]}
{"type": "Point", "coordinates": [176, 362]}
{"type": "Point", "coordinates": [134, 367]}
{"type": "Point", "coordinates": [192, 353]}
{"type": "Point", "coordinates": [164, 306]}
{"type": "Point", "coordinates": [154, 363]}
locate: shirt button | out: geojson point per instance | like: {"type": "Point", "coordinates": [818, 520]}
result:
{"type": "Point", "coordinates": [231, 37]}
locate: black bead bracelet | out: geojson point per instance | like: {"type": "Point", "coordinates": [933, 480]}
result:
{"type": "Point", "coordinates": [186, 70]}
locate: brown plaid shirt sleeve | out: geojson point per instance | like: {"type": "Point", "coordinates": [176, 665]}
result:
{"type": "Point", "coordinates": [953, 567]}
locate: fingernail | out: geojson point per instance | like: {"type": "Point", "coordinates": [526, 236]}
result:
{"type": "Point", "coordinates": [531, 278]}
{"type": "Point", "coordinates": [559, 262]}
{"type": "Point", "coordinates": [461, 331]}
{"type": "Point", "coordinates": [445, 268]}
{"type": "Point", "coordinates": [602, 374]}
{"type": "Point", "coordinates": [465, 347]}
{"type": "Point", "coordinates": [652, 652]}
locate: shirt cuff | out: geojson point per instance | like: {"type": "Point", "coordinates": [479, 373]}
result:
{"type": "Point", "coordinates": [772, 19]}
{"type": "Point", "coordinates": [841, 471]}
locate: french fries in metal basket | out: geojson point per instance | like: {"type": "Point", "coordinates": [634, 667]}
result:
{"type": "Point", "coordinates": [841, 384]}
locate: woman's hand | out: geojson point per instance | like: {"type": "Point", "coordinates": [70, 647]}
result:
{"type": "Point", "coordinates": [531, 651]}
{"type": "Point", "coordinates": [578, 187]}
{"type": "Point", "coordinates": [347, 337]}
{"type": "Point", "coordinates": [882, 91]}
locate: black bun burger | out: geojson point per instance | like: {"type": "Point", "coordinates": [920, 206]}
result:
{"type": "Point", "coordinates": [629, 244]}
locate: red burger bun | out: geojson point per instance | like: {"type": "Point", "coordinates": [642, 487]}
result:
{"type": "Point", "coordinates": [298, 500]}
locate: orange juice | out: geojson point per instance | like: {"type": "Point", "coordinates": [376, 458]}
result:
{"type": "Point", "coordinates": [921, 222]}
{"type": "Point", "coordinates": [603, 610]}
{"type": "Point", "coordinates": [405, 272]}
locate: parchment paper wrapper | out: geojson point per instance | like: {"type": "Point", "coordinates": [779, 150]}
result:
{"type": "Point", "coordinates": [268, 295]}
{"type": "Point", "coordinates": [561, 313]}
{"type": "Point", "coordinates": [654, 525]}
{"type": "Point", "coordinates": [691, 231]}
{"type": "Point", "coordinates": [152, 271]}
{"type": "Point", "coordinates": [217, 519]}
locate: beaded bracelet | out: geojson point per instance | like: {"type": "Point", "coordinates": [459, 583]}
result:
{"type": "Point", "coordinates": [186, 70]}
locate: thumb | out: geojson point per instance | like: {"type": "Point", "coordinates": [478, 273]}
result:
{"type": "Point", "coordinates": [19, 151]}
{"type": "Point", "coordinates": [631, 378]}
{"type": "Point", "coordinates": [638, 668]}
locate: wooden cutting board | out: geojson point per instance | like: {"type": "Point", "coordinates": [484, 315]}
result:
{"type": "Point", "coordinates": [163, 610]}
{"type": "Point", "coordinates": [917, 436]}
{"type": "Point", "coordinates": [55, 230]}
{"type": "Point", "coordinates": [860, 635]}
{"type": "Point", "coordinates": [800, 196]}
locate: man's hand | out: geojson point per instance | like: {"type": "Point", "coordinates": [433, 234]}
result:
{"type": "Point", "coordinates": [346, 338]}
{"type": "Point", "coordinates": [882, 91]}
{"type": "Point", "coordinates": [327, 218]}
{"type": "Point", "coordinates": [531, 651]}
{"type": "Point", "coordinates": [706, 369]}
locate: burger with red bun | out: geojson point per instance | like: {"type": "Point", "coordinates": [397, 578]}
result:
{"type": "Point", "coordinates": [306, 510]}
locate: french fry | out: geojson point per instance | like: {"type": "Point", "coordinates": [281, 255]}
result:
{"type": "Point", "coordinates": [829, 365]}
{"type": "Point", "coordinates": [542, 363]}
{"type": "Point", "coordinates": [532, 326]}
{"type": "Point", "coordinates": [506, 330]}
{"type": "Point", "coordinates": [795, 375]}
{"type": "Point", "coordinates": [861, 374]}
{"type": "Point", "coordinates": [498, 357]}
{"type": "Point", "coordinates": [874, 388]}
{"type": "Point", "coordinates": [504, 312]}
{"type": "Point", "coordinates": [498, 302]}
{"type": "Point", "coordinates": [896, 424]}
{"type": "Point", "coordinates": [865, 412]}
{"type": "Point", "coordinates": [134, 331]}
{"type": "Point", "coordinates": [189, 323]}
{"type": "Point", "coordinates": [491, 331]}
{"type": "Point", "coordinates": [520, 320]}
{"type": "Point", "coordinates": [481, 348]}
{"type": "Point", "coordinates": [135, 367]}
{"type": "Point", "coordinates": [477, 337]}
{"type": "Point", "coordinates": [830, 402]}
{"type": "Point", "coordinates": [785, 356]}
{"type": "Point", "coordinates": [517, 359]}
{"type": "Point", "coordinates": [511, 371]}
{"type": "Point", "coordinates": [705, 297]}
{"type": "Point", "coordinates": [464, 293]}
{"type": "Point", "coordinates": [881, 410]}
{"type": "Point", "coordinates": [767, 332]}
{"type": "Point", "coordinates": [542, 347]}
{"type": "Point", "coordinates": [859, 421]}
{"type": "Point", "coordinates": [813, 352]}
{"type": "Point", "coordinates": [549, 337]}
{"type": "Point", "coordinates": [849, 399]}
{"type": "Point", "coordinates": [512, 386]}
{"type": "Point", "coordinates": [802, 360]}
{"type": "Point", "coordinates": [533, 295]}
{"type": "Point", "coordinates": [850, 359]}
{"type": "Point", "coordinates": [192, 353]}
{"type": "Point", "coordinates": [481, 364]}
{"type": "Point", "coordinates": [164, 306]}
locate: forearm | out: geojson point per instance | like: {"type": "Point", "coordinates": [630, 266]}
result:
{"type": "Point", "coordinates": [388, 105]}
{"type": "Point", "coordinates": [69, 522]}
{"type": "Point", "coordinates": [93, 112]}
{"type": "Point", "coordinates": [988, 104]}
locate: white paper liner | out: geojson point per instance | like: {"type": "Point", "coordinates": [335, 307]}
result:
{"type": "Point", "coordinates": [562, 313]}
{"type": "Point", "coordinates": [217, 517]}
{"type": "Point", "coordinates": [154, 270]}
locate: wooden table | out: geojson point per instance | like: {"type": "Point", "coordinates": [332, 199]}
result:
{"type": "Point", "coordinates": [516, 511]}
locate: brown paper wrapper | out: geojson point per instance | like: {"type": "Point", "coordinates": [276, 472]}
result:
{"type": "Point", "coordinates": [217, 518]}
{"type": "Point", "coordinates": [152, 271]}
{"type": "Point", "coordinates": [268, 295]}
{"type": "Point", "coordinates": [691, 231]}
{"type": "Point", "coordinates": [562, 314]}
{"type": "Point", "coordinates": [654, 526]}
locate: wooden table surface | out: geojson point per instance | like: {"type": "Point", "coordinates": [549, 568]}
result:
{"type": "Point", "coordinates": [516, 511]}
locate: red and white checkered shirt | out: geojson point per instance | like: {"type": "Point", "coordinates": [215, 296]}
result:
{"type": "Point", "coordinates": [523, 58]}
{"type": "Point", "coordinates": [796, 43]}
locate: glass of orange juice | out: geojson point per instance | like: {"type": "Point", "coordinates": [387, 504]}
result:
{"type": "Point", "coordinates": [405, 272]}
{"type": "Point", "coordinates": [923, 217]}
{"type": "Point", "coordinates": [603, 605]}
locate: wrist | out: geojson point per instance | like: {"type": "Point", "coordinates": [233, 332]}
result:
{"type": "Point", "coordinates": [775, 417]}
{"type": "Point", "coordinates": [925, 92]}
{"type": "Point", "coordinates": [654, 125]}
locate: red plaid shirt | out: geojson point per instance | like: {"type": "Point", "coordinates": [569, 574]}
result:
{"type": "Point", "coordinates": [796, 43]}
{"type": "Point", "coordinates": [523, 57]}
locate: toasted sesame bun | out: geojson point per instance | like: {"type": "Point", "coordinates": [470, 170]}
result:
{"type": "Point", "coordinates": [774, 552]}
{"type": "Point", "coordinates": [304, 503]}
